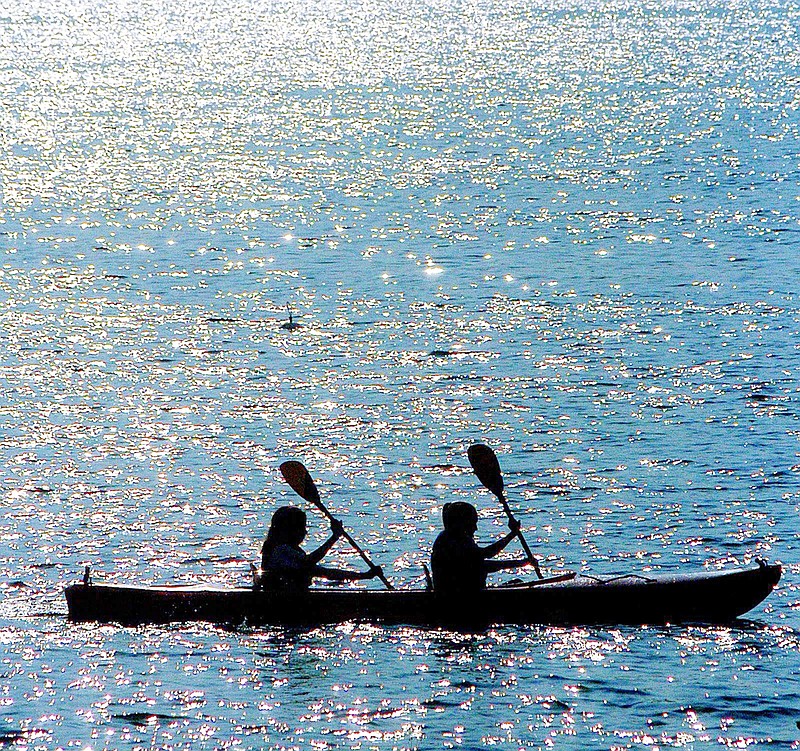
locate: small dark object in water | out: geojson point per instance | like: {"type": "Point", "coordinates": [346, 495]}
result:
{"type": "Point", "coordinates": [143, 719]}
{"type": "Point", "coordinates": [290, 325]}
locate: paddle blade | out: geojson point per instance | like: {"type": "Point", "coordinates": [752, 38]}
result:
{"type": "Point", "coordinates": [300, 481]}
{"type": "Point", "coordinates": [486, 467]}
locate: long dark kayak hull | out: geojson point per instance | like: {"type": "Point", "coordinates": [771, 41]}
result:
{"type": "Point", "coordinates": [707, 597]}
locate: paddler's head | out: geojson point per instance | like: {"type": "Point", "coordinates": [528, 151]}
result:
{"type": "Point", "coordinates": [288, 525]}
{"type": "Point", "coordinates": [460, 517]}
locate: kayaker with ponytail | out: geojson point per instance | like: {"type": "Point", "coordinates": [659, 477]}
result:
{"type": "Point", "coordinates": [459, 565]}
{"type": "Point", "coordinates": [286, 566]}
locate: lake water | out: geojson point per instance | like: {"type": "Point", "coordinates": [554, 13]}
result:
{"type": "Point", "coordinates": [569, 230]}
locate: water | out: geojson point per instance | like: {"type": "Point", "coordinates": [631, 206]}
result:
{"type": "Point", "coordinates": [570, 231]}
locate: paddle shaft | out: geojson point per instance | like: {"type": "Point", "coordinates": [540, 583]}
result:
{"type": "Point", "coordinates": [522, 540]}
{"type": "Point", "coordinates": [300, 481]}
{"type": "Point", "coordinates": [321, 506]}
{"type": "Point", "coordinates": [487, 468]}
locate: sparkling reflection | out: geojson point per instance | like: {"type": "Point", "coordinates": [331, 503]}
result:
{"type": "Point", "coordinates": [564, 230]}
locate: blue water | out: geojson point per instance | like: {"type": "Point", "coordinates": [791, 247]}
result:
{"type": "Point", "coordinates": [570, 231]}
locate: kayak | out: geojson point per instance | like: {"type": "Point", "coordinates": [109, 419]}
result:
{"type": "Point", "coordinates": [632, 599]}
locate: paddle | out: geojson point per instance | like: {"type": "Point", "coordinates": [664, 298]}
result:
{"type": "Point", "coordinates": [487, 469]}
{"type": "Point", "coordinates": [300, 481]}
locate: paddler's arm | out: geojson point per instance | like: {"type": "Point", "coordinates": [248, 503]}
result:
{"type": "Point", "coordinates": [492, 566]}
{"type": "Point", "coordinates": [340, 574]}
{"type": "Point", "coordinates": [490, 551]}
{"type": "Point", "coordinates": [337, 530]}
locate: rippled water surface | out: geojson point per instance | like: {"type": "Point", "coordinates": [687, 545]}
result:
{"type": "Point", "coordinates": [569, 230]}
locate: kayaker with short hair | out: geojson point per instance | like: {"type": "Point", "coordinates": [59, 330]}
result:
{"type": "Point", "coordinates": [286, 566]}
{"type": "Point", "coordinates": [459, 565]}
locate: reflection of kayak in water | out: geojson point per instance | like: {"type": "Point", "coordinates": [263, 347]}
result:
{"type": "Point", "coordinates": [706, 597]}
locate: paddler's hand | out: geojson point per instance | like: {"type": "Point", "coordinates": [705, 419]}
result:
{"type": "Point", "coordinates": [337, 529]}
{"type": "Point", "coordinates": [514, 526]}
{"type": "Point", "coordinates": [373, 572]}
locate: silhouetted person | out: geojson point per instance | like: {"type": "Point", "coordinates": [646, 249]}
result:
{"type": "Point", "coordinates": [459, 565]}
{"type": "Point", "coordinates": [286, 566]}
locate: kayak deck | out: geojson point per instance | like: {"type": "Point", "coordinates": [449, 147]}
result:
{"type": "Point", "coordinates": [704, 597]}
